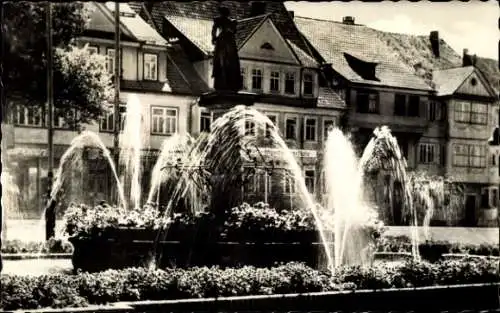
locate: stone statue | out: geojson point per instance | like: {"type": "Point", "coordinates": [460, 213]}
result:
{"type": "Point", "coordinates": [226, 63]}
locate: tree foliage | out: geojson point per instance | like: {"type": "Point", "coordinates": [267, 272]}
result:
{"type": "Point", "coordinates": [79, 79]}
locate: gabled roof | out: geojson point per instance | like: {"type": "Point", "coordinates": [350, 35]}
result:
{"type": "Point", "coordinates": [198, 31]}
{"type": "Point", "coordinates": [208, 10]}
{"type": "Point", "coordinates": [333, 39]}
{"type": "Point", "coordinates": [133, 25]}
{"type": "Point", "coordinates": [246, 27]}
{"type": "Point", "coordinates": [449, 80]}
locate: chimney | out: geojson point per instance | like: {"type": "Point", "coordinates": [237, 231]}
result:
{"type": "Point", "coordinates": [467, 59]}
{"type": "Point", "coordinates": [292, 14]}
{"type": "Point", "coordinates": [257, 8]}
{"type": "Point", "coordinates": [348, 20]}
{"type": "Point", "coordinates": [434, 39]}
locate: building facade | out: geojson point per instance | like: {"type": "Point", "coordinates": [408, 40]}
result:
{"type": "Point", "coordinates": [442, 117]}
{"type": "Point", "coordinates": [309, 75]}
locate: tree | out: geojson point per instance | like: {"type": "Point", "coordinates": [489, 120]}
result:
{"type": "Point", "coordinates": [81, 83]}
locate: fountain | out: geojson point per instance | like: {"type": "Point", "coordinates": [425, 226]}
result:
{"type": "Point", "coordinates": [221, 162]}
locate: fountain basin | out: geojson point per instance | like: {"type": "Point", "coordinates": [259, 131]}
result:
{"type": "Point", "coordinates": [129, 247]}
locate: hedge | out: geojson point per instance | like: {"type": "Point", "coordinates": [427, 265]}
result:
{"type": "Point", "coordinates": [24, 292]}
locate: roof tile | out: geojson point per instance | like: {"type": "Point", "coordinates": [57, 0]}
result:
{"type": "Point", "coordinates": [328, 98]}
{"type": "Point", "coordinates": [447, 81]}
{"type": "Point", "coordinates": [333, 39]}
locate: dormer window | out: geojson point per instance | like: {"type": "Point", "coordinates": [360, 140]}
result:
{"type": "Point", "coordinates": [290, 83]}
{"type": "Point", "coordinates": [267, 46]}
{"type": "Point", "coordinates": [150, 66]}
{"type": "Point", "coordinates": [308, 84]}
{"type": "Point", "coordinates": [364, 69]}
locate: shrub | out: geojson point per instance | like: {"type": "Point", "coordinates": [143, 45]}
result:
{"type": "Point", "coordinates": [51, 246]}
{"type": "Point", "coordinates": [24, 292]}
{"type": "Point", "coordinates": [403, 244]}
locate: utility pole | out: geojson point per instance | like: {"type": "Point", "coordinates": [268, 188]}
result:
{"type": "Point", "coordinates": [116, 152]}
{"type": "Point", "coordinates": [50, 212]}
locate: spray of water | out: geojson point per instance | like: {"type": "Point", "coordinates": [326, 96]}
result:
{"type": "Point", "coordinates": [72, 159]}
{"type": "Point", "coordinates": [383, 155]}
{"type": "Point", "coordinates": [344, 188]}
{"type": "Point", "coordinates": [131, 147]}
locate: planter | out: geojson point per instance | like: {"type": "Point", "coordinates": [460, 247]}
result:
{"type": "Point", "coordinates": [182, 246]}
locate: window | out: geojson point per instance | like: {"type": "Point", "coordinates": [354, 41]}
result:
{"type": "Point", "coordinates": [289, 185]}
{"type": "Point", "coordinates": [250, 129]}
{"type": "Point", "coordinates": [163, 121]}
{"type": "Point", "coordinates": [310, 129]}
{"type": "Point", "coordinates": [256, 79]}
{"type": "Point", "coordinates": [414, 106]}
{"type": "Point", "coordinates": [110, 61]}
{"type": "Point", "coordinates": [367, 102]}
{"type": "Point", "coordinates": [108, 121]}
{"type": "Point", "coordinates": [399, 105]}
{"type": "Point", "coordinates": [28, 116]}
{"type": "Point", "coordinates": [308, 84]}
{"type": "Point", "coordinates": [427, 153]}
{"type": "Point", "coordinates": [493, 160]}
{"type": "Point", "coordinates": [244, 78]}
{"type": "Point", "coordinates": [434, 111]}
{"type": "Point", "coordinates": [471, 112]}
{"type": "Point", "coordinates": [150, 66]}
{"type": "Point", "coordinates": [205, 121]}
{"type": "Point", "coordinates": [290, 83]}
{"type": "Point", "coordinates": [477, 156]}
{"type": "Point", "coordinates": [328, 125]}
{"type": "Point", "coordinates": [291, 128]}
{"type": "Point", "coordinates": [274, 120]}
{"type": "Point", "coordinates": [274, 83]}
{"type": "Point", "coordinates": [469, 155]}
{"type": "Point", "coordinates": [310, 180]}
{"type": "Point", "coordinates": [93, 49]}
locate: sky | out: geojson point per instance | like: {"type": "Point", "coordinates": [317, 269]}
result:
{"type": "Point", "coordinates": [471, 25]}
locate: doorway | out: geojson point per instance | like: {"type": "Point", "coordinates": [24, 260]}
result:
{"type": "Point", "coordinates": [470, 211]}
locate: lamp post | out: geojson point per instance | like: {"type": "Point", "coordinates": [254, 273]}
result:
{"type": "Point", "coordinates": [116, 109]}
{"type": "Point", "coordinates": [50, 212]}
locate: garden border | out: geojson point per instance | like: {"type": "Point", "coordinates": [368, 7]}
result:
{"type": "Point", "coordinates": [473, 296]}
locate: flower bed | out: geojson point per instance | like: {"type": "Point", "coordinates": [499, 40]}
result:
{"type": "Point", "coordinates": [21, 292]}
{"type": "Point", "coordinates": [110, 237]}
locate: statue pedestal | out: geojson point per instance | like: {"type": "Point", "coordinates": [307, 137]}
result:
{"type": "Point", "coordinates": [223, 100]}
